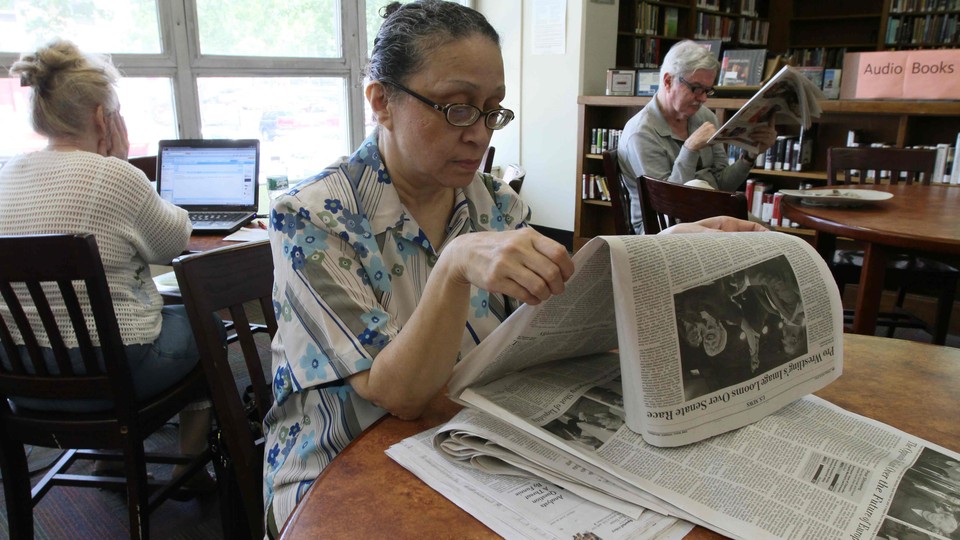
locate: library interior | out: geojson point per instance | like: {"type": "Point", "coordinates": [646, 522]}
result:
{"type": "Point", "coordinates": [802, 382]}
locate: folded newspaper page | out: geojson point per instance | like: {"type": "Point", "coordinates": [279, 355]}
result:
{"type": "Point", "coordinates": [714, 330]}
{"type": "Point", "coordinates": [787, 98]}
{"type": "Point", "coordinates": [520, 505]}
{"type": "Point", "coordinates": [811, 470]}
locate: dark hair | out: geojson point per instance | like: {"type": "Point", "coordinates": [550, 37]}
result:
{"type": "Point", "coordinates": [411, 30]}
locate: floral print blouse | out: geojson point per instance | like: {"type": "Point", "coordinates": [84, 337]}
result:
{"type": "Point", "coordinates": [350, 267]}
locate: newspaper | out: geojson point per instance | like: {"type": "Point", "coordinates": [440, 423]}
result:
{"type": "Point", "coordinates": [515, 504]}
{"type": "Point", "coordinates": [657, 425]}
{"type": "Point", "coordinates": [787, 98]}
{"type": "Point", "coordinates": [715, 330]}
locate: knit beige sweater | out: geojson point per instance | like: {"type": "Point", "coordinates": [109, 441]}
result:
{"type": "Point", "coordinates": [49, 192]}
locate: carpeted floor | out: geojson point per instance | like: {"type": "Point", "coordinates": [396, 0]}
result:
{"type": "Point", "coordinates": [72, 512]}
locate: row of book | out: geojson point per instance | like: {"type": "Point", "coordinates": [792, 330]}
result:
{"type": "Point", "coordinates": [765, 203]}
{"type": "Point", "coordinates": [646, 52]}
{"type": "Point", "coordinates": [603, 139]}
{"type": "Point", "coordinates": [827, 80]}
{"type": "Point", "coordinates": [746, 7]}
{"type": "Point", "coordinates": [789, 153]}
{"type": "Point", "coordinates": [710, 26]}
{"type": "Point", "coordinates": [828, 58]}
{"type": "Point", "coordinates": [649, 20]}
{"type": "Point", "coordinates": [754, 31]}
{"type": "Point", "coordinates": [595, 187]}
{"type": "Point", "coordinates": [940, 29]}
{"type": "Point", "coordinates": [900, 6]}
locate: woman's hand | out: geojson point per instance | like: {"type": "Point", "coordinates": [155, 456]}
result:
{"type": "Point", "coordinates": [523, 264]}
{"type": "Point", "coordinates": [716, 224]}
{"type": "Point", "coordinates": [114, 142]}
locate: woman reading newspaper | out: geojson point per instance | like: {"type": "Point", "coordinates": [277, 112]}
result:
{"type": "Point", "coordinates": [668, 138]}
{"type": "Point", "coordinates": [397, 260]}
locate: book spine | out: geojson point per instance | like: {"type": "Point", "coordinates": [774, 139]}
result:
{"type": "Point", "coordinates": [955, 172]}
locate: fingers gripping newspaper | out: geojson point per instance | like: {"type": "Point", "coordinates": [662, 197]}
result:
{"type": "Point", "coordinates": [787, 98]}
{"type": "Point", "coordinates": [714, 330]}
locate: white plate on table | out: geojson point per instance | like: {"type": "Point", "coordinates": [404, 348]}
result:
{"type": "Point", "coordinates": [837, 197]}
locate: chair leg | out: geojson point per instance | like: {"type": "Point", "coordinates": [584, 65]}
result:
{"type": "Point", "coordinates": [944, 310]}
{"type": "Point", "coordinates": [138, 492]}
{"type": "Point", "coordinates": [16, 489]}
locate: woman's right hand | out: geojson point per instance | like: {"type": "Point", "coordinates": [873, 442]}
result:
{"type": "Point", "coordinates": [522, 263]}
{"type": "Point", "coordinates": [115, 142]}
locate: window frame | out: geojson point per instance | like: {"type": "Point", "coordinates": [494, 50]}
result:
{"type": "Point", "coordinates": [180, 60]}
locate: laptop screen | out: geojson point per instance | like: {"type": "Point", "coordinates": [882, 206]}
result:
{"type": "Point", "coordinates": [209, 174]}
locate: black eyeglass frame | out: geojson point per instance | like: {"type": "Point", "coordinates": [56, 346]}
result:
{"type": "Point", "coordinates": [507, 114]}
{"type": "Point", "coordinates": [698, 89]}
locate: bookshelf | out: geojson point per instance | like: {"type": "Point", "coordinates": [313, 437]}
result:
{"type": "Point", "coordinates": [899, 123]}
{"type": "Point", "coordinates": [648, 28]}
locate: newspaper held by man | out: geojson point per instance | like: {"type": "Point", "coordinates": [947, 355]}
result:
{"type": "Point", "coordinates": [787, 98]}
{"type": "Point", "coordinates": [714, 331]}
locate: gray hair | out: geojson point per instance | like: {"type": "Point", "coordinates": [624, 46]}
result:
{"type": "Point", "coordinates": [686, 57]}
{"type": "Point", "coordinates": [410, 31]}
{"type": "Point", "coordinates": [66, 83]}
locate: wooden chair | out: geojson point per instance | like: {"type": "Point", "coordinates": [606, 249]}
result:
{"type": "Point", "coordinates": [665, 204]}
{"type": "Point", "coordinates": [44, 269]}
{"type": "Point", "coordinates": [238, 279]}
{"type": "Point", "coordinates": [905, 273]}
{"type": "Point", "coordinates": [619, 196]}
{"type": "Point", "coordinates": [870, 165]}
{"type": "Point", "coordinates": [147, 164]}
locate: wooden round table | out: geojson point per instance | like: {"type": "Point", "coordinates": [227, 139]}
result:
{"type": "Point", "coordinates": [364, 494]}
{"type": "Point", "coordinates": [918, 219]}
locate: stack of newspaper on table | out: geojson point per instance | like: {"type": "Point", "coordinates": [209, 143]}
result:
{"type": "Point", "coordinates": [787, 98]}
{"type": "Point", "coordinates": [702, 417]}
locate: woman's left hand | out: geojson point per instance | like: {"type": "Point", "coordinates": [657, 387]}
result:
{"type": "Point", "coordinates": [716, 224]}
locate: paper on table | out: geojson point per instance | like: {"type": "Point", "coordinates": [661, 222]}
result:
{"type": "Point", "coordinates": [247, 235]}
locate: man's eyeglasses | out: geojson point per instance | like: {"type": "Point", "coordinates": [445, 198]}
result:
{"type": "Point", "coordinates": [698, 89]}
{"type": "Point", "coordinates": [463, 114]}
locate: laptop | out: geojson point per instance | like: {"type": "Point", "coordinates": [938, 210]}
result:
{"type": "Point", "coordinates": [215, 180]}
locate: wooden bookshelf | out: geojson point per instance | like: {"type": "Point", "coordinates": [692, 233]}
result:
{"type": "Point", "coordinates": [648, 28]}
{"type": "Point", "coordinates": [899, 123]}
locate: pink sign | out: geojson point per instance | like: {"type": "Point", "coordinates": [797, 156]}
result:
{"type": "Point", "coordinates": [928, 74]}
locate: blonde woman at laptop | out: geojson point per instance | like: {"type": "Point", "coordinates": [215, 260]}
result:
{"type": "Point", "coordinates": [82, 183]}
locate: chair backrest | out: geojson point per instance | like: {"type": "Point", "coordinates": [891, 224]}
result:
{"type": "Point", "coordinates": [666, 204]}
{"type": "Point", "coordinates": [879, 165]}
{"type": "Point", "coordinates": [238, 280]}
{"type": "Point", "coordinates": [147, 164]}
{"type": "Point", "coordinates": [619, 196]}
{"type": "Point", "coordinates": [486, 164]}
{"type": "Point", "coordinates": [46, 272]}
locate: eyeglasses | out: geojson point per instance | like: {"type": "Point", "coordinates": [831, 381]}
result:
{"type": "Point", "coordinates": [698, 89]}
{"type": "Point", "coordinates": [463, 114]}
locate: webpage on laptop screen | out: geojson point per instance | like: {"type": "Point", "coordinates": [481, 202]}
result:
{"type": "Point", "coordinates": [208, 176]}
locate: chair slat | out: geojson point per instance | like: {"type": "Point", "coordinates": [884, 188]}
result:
{"type": "Point", "coordinates": [251, 356]}
{"type": "Point", "coordinates": [50, 326]}
{"type": "Point", "coordinates": [69, 294]}
{"type": "Point", "coordinates": [27, 335]}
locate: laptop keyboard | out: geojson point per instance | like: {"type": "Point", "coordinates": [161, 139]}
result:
{"type": "Point", "coordinates": [217, 217]}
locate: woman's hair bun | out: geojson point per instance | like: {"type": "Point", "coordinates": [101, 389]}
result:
{"type": "Point", "coordinates": [389, 9]}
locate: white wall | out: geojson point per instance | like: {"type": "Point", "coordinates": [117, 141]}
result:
{"type": "Point", "coordinates": [543, 91]}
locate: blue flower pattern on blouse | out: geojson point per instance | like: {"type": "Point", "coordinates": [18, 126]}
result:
{"type": "Point", "coordinates": [337, 241]}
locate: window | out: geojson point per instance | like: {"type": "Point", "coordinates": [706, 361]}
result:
{"type": "Point", "coordinates": [287, 72]}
